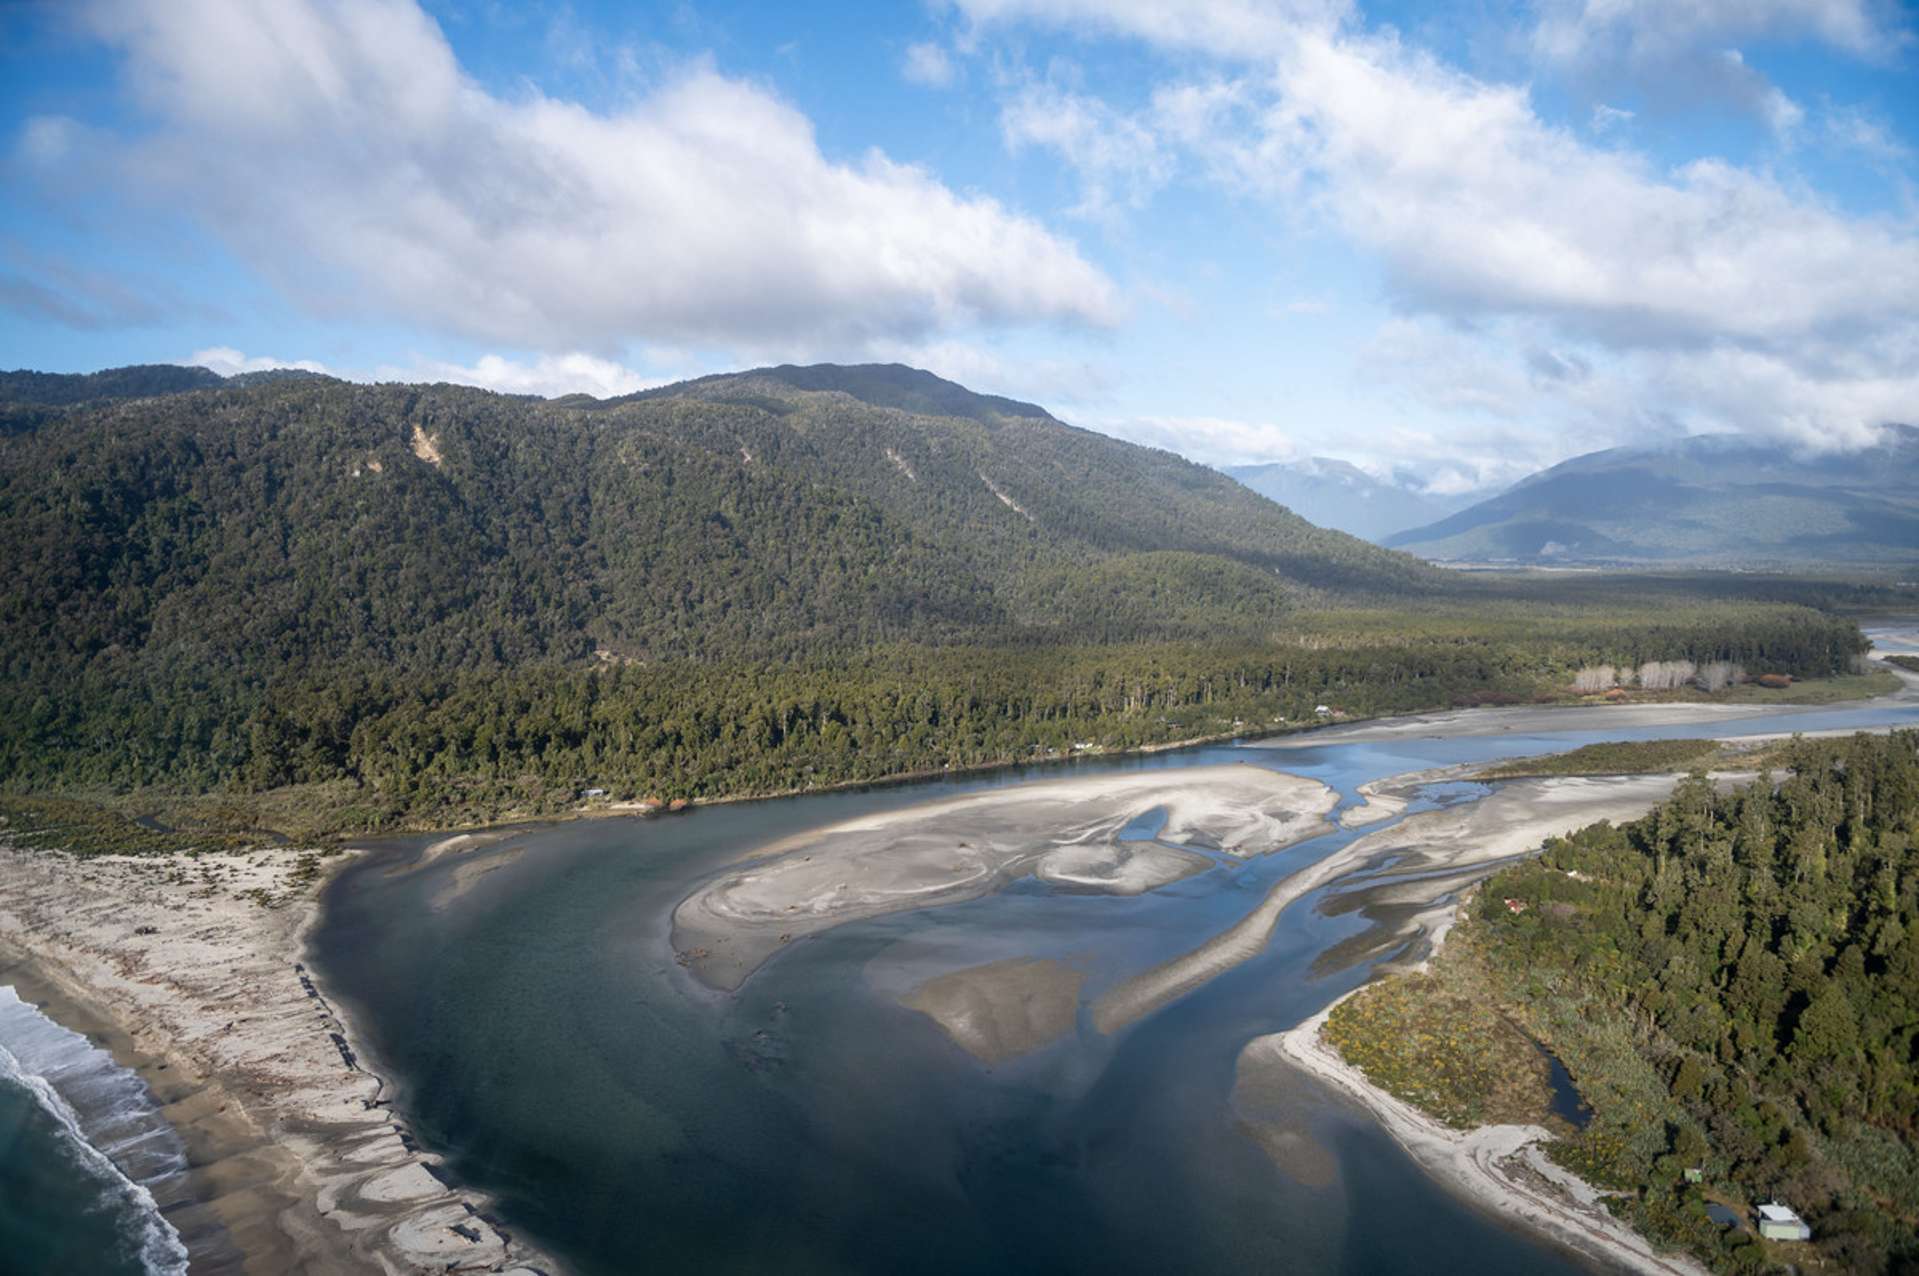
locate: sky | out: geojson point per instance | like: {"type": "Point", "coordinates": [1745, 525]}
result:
{"type": "Point", "coordinates": [1449, 243]}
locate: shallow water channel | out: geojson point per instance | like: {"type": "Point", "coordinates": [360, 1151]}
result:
{"type": "Point", "coordinates": [628, 1118]}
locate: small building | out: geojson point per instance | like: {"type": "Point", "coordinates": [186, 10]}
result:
{"type": "Point", "coordinates": [1694, 1174]}
{"type": "Point", "coordinates": [1779, 1223]}
{"type": "Point", "coordinates": [1323, 711]}
{"type": "Point", "coordinates": [1515, 905]}
{"type": "Point", "coordinates": [593, 793]}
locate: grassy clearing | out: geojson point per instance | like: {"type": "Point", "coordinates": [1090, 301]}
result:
{"type": "Point", "coordinates": [1438, 1042]}
{"type": "Point", "coordinates": [1646, 757]}
{"type": "Point", "coordinates": [89, 828]}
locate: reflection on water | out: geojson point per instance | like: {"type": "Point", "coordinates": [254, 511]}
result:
{"type": "Point", "coordinates": [546, 1040]}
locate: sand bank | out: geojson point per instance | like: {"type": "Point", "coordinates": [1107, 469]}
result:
{"type": "Point", "coordinates": [1453, 724]}
{"type": "Point", "coordinates": [1002, 1009]}
{"type": "Point", "coordinates": [186, 969]}
{"type": "Point", "coordinates": [961, 848]}
{"type": "Point", "coordinates": [1499, 1167]}
{"type": "Point", "coordinates": [1514, 819]}
{"type": "Point", "coordinates": [1390, 795]}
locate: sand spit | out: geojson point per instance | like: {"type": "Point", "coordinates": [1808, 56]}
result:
{"type": "Point", "coordinates": [1514, 819]}
{"type": "Point", "coordinates": [1390, 795]}
{"type": "Point", "coordinates": [944, 852]}
{"type": "Point", "coordinates": [188, 970]}
{"type": "Point", "coordinates": [1499, 1167]}
{"type": "Point", "coordinates": [1454, 724]}
{"type": "Point", "coordinates": [1003, 1009]}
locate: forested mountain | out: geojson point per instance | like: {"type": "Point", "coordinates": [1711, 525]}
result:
{"type": "Point", "coordinates": [1723, 500]}
{"type": "Point", "coordinates": [1340, 495]}
{"type": "Point", "coordinates": [458, 602]}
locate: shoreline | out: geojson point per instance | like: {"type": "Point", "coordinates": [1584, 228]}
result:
{"type": "Point", "coordinates": [1344, 730]}
{"type": "Point", "coordinates": [198, 985]}
{"type": "Point", "coordinates": [1500, 1168]}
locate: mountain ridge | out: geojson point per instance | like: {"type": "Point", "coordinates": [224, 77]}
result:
{"type": "Point", "coordinates": [1706, 500]}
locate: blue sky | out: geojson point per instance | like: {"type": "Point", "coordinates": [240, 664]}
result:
{"type": "Point", "coordinates": [1448, 243]}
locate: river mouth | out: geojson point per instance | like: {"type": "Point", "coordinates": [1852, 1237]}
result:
{"type": "Point", "coordinates": [543, 1034]}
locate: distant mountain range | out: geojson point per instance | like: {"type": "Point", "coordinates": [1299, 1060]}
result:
{"type": "Point", "coordinates": [1336, 494]}
{"type": "Point", "coordinates": [1709, 500]}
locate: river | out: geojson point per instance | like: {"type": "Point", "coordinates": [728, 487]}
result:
{"type": "Point", "coordinates": [542, 1036]}
{"type": "Point", "coordinates": [525, 1001]}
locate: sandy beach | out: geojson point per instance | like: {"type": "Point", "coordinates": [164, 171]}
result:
{"type": "Point", "coordinates": [1499, 1167]}
{"type": "Point", "coordinates": [188, 971]}
{"type": "Point", "coordinates": [1066, 831]}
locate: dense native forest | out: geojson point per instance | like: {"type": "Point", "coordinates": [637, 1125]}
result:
{"type": "Point", "coordinates": [1733, 983]}
{"type": "Point", "coordinates": [460, 603]}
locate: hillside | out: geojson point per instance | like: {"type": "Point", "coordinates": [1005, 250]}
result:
{"type": "Point", "coordinates": [1339, 495]}
{"type": "Point", "coordinates": [733, 515]}
{"type": "Point", "coordinates": [1719, 500]}
{"type": "Point", "coordinates": [443, 605]}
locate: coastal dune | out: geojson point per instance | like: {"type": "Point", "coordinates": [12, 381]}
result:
{"type": "Point", "coordinates": [1067, 832]}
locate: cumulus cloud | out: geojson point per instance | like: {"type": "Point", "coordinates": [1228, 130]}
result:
{"type": "Point", "coordinates": [1691, 52]}
{"type": "Point", "coordinates": [228, 362]}
{"type": "Point", "coordinates": [1545, 280]}
{"type": "Point", "coordinates": [343, 152]}
{"type": "Point", "coordinates": [1658, 31]}
{"type": "Point", "coordinates": [548, 376]}
{"type": "Point", "coordinates": [928, 65]}
{"type": "Point", "coordinates": [1119, 159]}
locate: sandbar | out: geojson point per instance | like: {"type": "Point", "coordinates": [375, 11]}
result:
{"type": "Point", "coordinates": [1065, 831]}
{"type": "Point", "coordinates": [1515, 818]}
{"type": "Point", "coordinates": [1002, 1009]}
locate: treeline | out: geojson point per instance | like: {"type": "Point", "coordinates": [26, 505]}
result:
{"type": "Point", "coordinates": [428, 747]}
{"type": "Point", "coordinates": [1733, 982]}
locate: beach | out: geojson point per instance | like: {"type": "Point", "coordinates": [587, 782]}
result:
{"type": "Point", "coordinates": [188, 971]}
{"type": "Point", "coordinates": [1498, 1167]}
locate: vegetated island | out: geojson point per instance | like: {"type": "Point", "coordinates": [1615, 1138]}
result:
{"type": "Point", "coordinates": [1732, 984]}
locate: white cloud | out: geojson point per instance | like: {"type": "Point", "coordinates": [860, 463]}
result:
{"type": "Point", "coordinates": [1565, 294]}
{"type": "Point", "coordinates": [928, 65]}
{"type": "Point", "coordinates": [1680, 53]}
{"type": "Point", "coordinates": [1660, 31]}
{"type": "Point", "coordinates": [1607, 118]}
{"type": "Point", "coordinates": [342, 151]}
{"type": "Point", "coordinates": [1206, 439]}
{"type": "Point", "coordinates": [548, 376]}
{"type": "Point", "coordinates": [1119, 160]}
{"type": "Point", "coordinates": [1061, 386]}
{"type": "Point", "coordinates": [228, 362]}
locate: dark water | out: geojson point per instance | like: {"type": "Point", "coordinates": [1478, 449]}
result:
{"type": "Point", "coordinates": [627, 1118]}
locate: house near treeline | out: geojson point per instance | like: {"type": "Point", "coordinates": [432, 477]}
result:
{"type": "Point", "coordinates": [1780, 1223]}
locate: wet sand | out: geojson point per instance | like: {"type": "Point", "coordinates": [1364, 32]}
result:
{"type": "Point", "coordinates": [1455, 724]}
{"type": "Point", "coordinates": [1514, 819]}
{"type": "Point", "coordinates": [1067, 831]}
{"type": "Point", "coordinates": [186, 971]}
{"type": "Point", "coordinates": [1003, 1009]}
{"type": "Point", "coordinates": [1499, 1167]}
